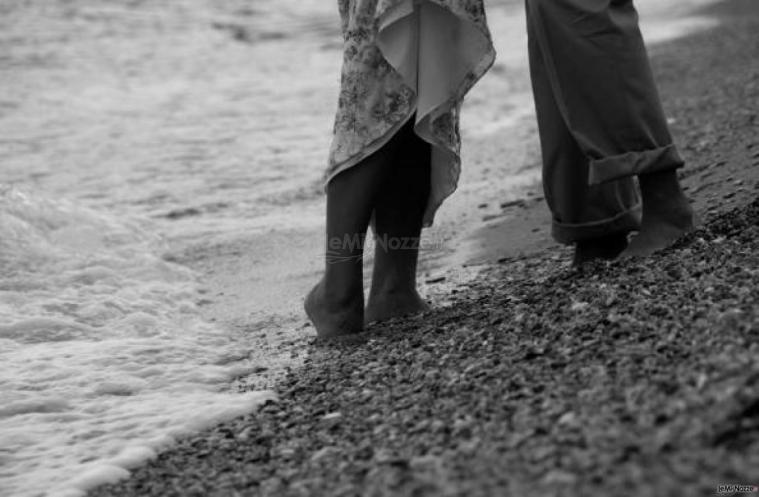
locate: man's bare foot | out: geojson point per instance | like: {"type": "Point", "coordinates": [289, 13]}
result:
{"type": "Point", "coordinates": [604, 247]}
{"type": "Point", "coordinates": [387, 305]}
{"type": "Point", "coordinates": [659, 232]}
{"type": "Point", "coordinates": [667, 214]}
{"type": "Point", "coordinates": [334, 317]}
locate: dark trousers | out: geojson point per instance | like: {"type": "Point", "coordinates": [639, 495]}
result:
{"type": "Point", "coordinates": [599, 114]}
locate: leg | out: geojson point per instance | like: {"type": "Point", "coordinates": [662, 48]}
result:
{"type": "Point", "coordinates": [336, 304]}
{"type": "Point", "coordinates": [397, 226]}
{"type": "Point", "coordinates": [600, 75]}
{"type": "Point", "coordinates": [596, 218]}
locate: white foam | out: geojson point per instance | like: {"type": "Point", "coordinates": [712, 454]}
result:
{"type": "Point", "coordinates": [132, 457]}
{"type": "Point", "coordinates": [105, 358]}
{"type": "Point", "coordinates": [97, 475]}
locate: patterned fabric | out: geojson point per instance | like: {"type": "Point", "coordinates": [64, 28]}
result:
{"type": "Point", "coordinates": [375, 102]}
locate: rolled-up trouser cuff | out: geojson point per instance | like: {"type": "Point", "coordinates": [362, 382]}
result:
{"type": "Point", "coordinates": [634, 163]}
{"type": "Point", "coordinates": [624, 222]}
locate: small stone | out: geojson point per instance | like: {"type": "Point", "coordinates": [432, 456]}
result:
{"type": "Point", "coordinates": [469, 446]}
{"type": "Point", "coordinates": [384, 456]}
{"type": "Point", "coordinates": [701, 381]}
{"type": "Point", "coordinates": [568, 419]}
{"type": "Point", "coordinates": [437, 426]}
{"type": "Point", "coordinates": [325, 453]}
{"type": "Point", "coordinates": [287, 453]}
{"type": "Point", "coordinates": [244, 435]}
{"type": "Point", "coordinates": [427, 464]}
{"type": "Point", "coordinates": [559, 477]}
{"type": "Point", "coordinates": [579, 306]}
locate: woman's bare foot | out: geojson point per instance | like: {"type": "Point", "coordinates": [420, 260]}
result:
{"type": "Point", "coordinates": [667, 214]}
{"type": "Point", "coordinates": [604, 247]}
{"type": "Point", "coordinates": [387, 305]}
{"type": "Point", "coordinates": [333, 317]}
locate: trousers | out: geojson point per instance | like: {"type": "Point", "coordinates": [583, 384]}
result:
{"type": "Point", "coordinates": [600, 117]}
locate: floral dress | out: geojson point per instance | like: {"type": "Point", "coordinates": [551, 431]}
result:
{"type": "Point", "coordinates": [404, 59]}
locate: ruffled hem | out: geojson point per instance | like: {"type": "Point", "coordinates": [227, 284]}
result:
{"type": "Point", "coordinates": [462, 53]}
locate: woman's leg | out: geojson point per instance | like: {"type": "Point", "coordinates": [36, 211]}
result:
{"type": "Point", "coordinates": [397, 226]}
{"type": "Point", "coordinates": [336, 304]}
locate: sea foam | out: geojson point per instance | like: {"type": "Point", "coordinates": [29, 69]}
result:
{"type": "Point", "coordinates": [104, 356]}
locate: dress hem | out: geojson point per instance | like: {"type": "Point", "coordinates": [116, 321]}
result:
{"type": "Point", "coordinates": [450, 161]}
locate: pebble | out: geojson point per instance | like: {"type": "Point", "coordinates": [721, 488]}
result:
{"type": "Point", "coordinates": [333, 416]}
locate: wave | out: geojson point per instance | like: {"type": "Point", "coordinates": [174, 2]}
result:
{"type": "Point", "coordinates": [104, 356]}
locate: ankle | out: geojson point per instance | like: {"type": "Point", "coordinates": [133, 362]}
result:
{"type": "Point", "coordinates": [336, 297]}
{"type": "Point", "coordinates": [663, 197]}
{"type": "Point", "coordinates": [394, 288]}
{"type": "Point", "coordinates": [661, 185]}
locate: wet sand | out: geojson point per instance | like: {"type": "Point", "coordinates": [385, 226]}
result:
{"type": "Point", "coordinates": [629, 378]}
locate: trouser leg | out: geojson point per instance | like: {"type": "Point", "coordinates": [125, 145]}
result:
{"type": "Point", "coordinates": [599, 113]}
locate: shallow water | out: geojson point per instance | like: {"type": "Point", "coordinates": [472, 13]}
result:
{"type": "Point", "coordinates": [103, 354]}
{"type": "Point", "coordinates": [134, 132]}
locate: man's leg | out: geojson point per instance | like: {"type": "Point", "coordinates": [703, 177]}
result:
{"type": "Point", "coordinates": [598, 70]}
{"type": "Point", "coordinates": [398, 219]}
{"type": "Point", "coordinates": [596, 218]}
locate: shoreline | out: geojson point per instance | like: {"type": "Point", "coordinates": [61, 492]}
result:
{"type": "Point", "coordinates": [411, 409]}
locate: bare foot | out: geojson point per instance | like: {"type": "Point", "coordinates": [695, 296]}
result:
{"type": "Point", "coordinates": [334, 317]}
{"type": "Point", "coordinates": [659, 233]}
{"type": "Point", "coordinates": [605, 248]}
{"type": "Point", "coordinates": [667, 215]}
{"type": "Point", "coordinates": [388, 305]}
